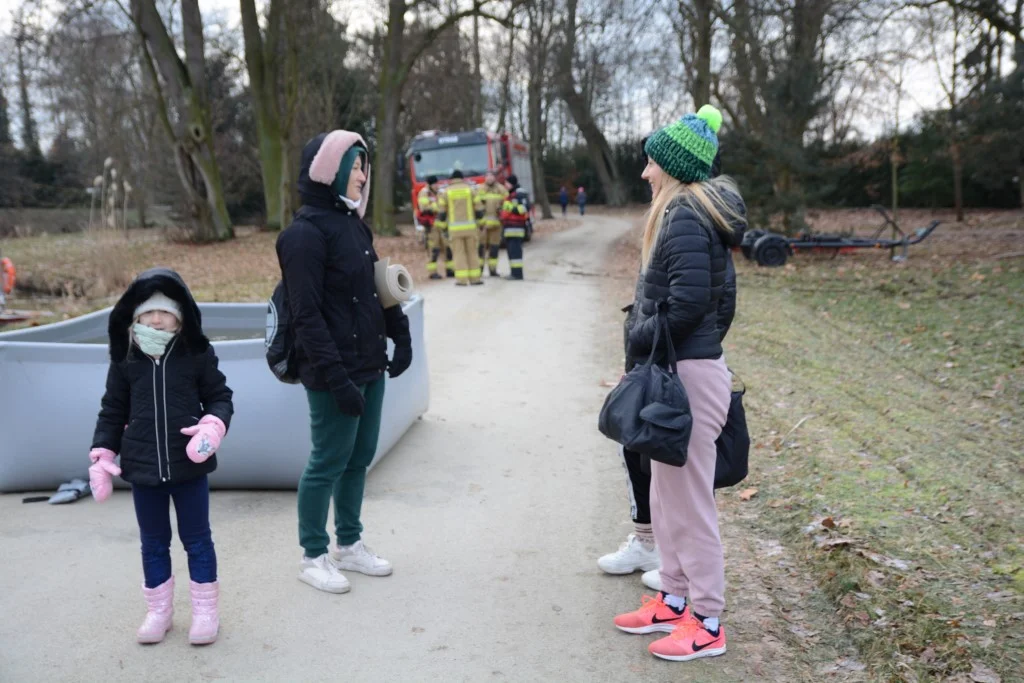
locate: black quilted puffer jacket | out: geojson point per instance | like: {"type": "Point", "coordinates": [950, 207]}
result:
{"type": "Point", "coordinates": [690, 278]}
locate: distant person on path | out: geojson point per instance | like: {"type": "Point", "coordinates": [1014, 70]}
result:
{"type": "Point", "coordinates": [163, 374]}
{"type": "Point", "coordinates": [688, 230]}
{"type": "Point", "coordinates": [327, 265]}
{"type": "Point", "coordinates": [640, 552]}
{"type": "Point", "coordinates": [581, 198]}
{"type": "Point", "coordinates": [563, 199]}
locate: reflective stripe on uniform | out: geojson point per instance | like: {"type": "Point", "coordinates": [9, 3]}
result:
{"type": "Point", "coordinates": [476, 272]}
{"type": "Point", "coordinates": [462, 228]}
{"type": "Point", "coordinates": [516, 264]}
{"type": "Point", "coordinates": [460, 207]}
{"type": "Point", "coordinates": [515, 232]}
{"type": "Point", "coordinates": [462, 273]}
{"type": "Point", "coordinates": [432, 266]}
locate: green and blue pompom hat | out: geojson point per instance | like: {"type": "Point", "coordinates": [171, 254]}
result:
{"type": "Point", "coordinates": [686, 149]}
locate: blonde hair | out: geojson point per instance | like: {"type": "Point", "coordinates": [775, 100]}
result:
{"type": "Point", "coordinates": [706, 198]}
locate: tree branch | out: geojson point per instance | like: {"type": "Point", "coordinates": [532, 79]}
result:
{"type": "Point", "coordinates": [433, 33]}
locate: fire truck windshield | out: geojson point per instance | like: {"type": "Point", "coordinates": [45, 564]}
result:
{"type": "Point", "coordinates": [442, 161]}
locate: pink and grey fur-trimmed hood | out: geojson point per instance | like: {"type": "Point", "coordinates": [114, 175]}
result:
{"type": "Point", "coordinates": [320, 160]}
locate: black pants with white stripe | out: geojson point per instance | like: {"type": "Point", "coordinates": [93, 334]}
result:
{"type": "Point", "coordinates": [639, 487]}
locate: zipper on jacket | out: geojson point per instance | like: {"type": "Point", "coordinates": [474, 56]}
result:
{"type": "Point", "coordinates": [167, 445]}
{"type": "Point", "coordinates": [156, 423]}
{"type": "Point", "coordinates": [156, 415]}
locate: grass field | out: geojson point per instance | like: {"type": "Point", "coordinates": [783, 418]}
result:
{"type": "Point", "coordinates": [884, 401]}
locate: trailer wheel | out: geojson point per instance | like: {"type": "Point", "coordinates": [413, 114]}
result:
{"type": "Point", "coordinates": [747, 244]}
{"type": "Point", "coordinates": [771, 251]}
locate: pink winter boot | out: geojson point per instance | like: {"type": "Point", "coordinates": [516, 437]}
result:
{"type": "Point", "coordinates": [205, 620]}
{"type": "Point", "coordinates": [160, 604]}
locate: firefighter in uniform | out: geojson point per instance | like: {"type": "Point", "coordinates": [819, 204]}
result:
{"type": "Point", "coordinates": [514, 215]}
{"type": "Point", "coordinates": [492, 196]}
{"type": "Point", "coordinates": [436, 229]}
{"type": "Point", "coordinates": [459, 209]}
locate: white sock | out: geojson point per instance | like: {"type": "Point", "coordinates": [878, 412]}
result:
{"type": "Point", "coordinates": [711, 624]}
{"type": "Point", "coordinates": [645, 534]}
{"type": "Point", "coordinates": [676, 601]}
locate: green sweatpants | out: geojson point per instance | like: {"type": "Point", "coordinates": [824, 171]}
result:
{"type": "Point", "coordinates": [343, 447]}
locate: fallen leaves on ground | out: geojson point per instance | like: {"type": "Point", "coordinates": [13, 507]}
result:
{"type": "Point", "coordinates": [883, 560]}
{"type": "Point", "coordinates": [747, 494]}
{"type": "Point", "coordinates": [982, 674]}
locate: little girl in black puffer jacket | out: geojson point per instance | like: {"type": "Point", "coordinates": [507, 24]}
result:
{"type": "Point", "coordinates": [165, 410]}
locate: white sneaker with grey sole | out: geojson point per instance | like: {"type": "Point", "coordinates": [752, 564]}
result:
{"type": "Point", "coordinates": [652, 579]}
{"type": "Point", "coordinates": [359, 558]}
{"type": "Point", "coordinates": [630, 557]}
{"type": "Point", "coordinates": [319, 573]}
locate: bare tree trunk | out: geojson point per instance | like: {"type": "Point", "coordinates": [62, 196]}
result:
{"type": "Point", "coordinates": [534, 104]}
{"type": "Point", "coordinates": [191, 135]}
{"type": "Point", "coordinates": [894, 164]}
{"type": "Point", "coordinates": [141, 206]}
{"type": "Point", "coordinates": [506, 80]}
{"type": "Point", "coordinates": [597, 145]}
{"type": "Point", "coordinates": [391, 80]}
{"type": "Point", "coordinates": [1018, 60]}
{"type": "Point", "coordinates": [702, 75]}
{"type": "Point", "coordinates": [261, 64]}
{"type": "Point", "coordinates": [954, 115]}
{"type": "Point", "coordinates": [478, 83]}
{"type": "Point", "coordinates": [29, 138]}
{"type": "Point", "coordinates": [539, 41]}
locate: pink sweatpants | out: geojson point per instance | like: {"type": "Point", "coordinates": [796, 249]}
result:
{"type": "Point", "coordinates": [683, 509]}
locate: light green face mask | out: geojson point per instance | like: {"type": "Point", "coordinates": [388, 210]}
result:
{"type": "Point", "coordinates": [153, 342]}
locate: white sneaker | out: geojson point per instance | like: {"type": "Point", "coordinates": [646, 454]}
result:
{"type": "Point", "coordinates": [652, 579]}
{"type": "Point", "coordinates": [631, 556]}
{"type": "Point", "coordinates": [358, 558]}
{"type": "Point", "coordinates": [321, 574]}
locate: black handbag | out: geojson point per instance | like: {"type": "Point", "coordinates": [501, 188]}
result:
{"type": "Point", "coordinates": [733, 444]}
{"type": "Point", "coordinates": [648, 412]}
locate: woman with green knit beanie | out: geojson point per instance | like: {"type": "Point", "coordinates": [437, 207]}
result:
{"type": "Point", "coordinates": [692, 223]}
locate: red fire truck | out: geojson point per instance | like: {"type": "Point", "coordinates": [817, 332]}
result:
{"type": "Point", "coordinates": [474, 153]}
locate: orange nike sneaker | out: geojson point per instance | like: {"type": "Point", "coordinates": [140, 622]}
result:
{"type": "Point", "coordinates": [690, 640]}
{"type": "Point", "coordinates": [654, 616]}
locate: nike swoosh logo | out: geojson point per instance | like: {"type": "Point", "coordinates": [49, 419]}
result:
{"type": "Point", "coordinates": [698, 648]}
{"type": "Point", "coordinates": [656, 620]}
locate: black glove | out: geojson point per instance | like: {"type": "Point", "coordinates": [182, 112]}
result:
{"type": "Point", "coordinates": [349, 399]}
{"type": "Point", "coordinates": [400, 360]}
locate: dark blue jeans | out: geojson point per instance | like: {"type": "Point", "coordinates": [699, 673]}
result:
{"type": "Point", "coordinates": [192, 507]}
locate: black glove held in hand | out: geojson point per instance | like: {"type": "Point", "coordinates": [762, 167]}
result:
{"type": "Point", "coordinates": [400, 361]}
{"type": "Point", "coordinates": [349, 399]}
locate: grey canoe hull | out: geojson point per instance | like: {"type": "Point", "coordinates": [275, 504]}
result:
{"type": "Point", "coordinates": [52, 378]}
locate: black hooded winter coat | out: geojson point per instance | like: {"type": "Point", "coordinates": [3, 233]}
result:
{"type": "Point", "coordinates": [327, 264]}
{"type": "Point", "coordinates": [149, 401]}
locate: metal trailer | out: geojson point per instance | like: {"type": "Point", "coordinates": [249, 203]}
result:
{"type": "Point", "coordinates": [771, 249]}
